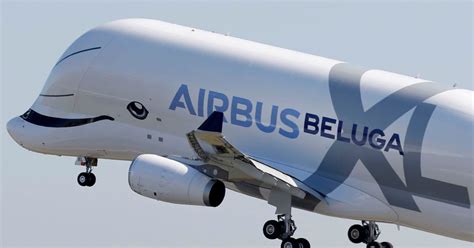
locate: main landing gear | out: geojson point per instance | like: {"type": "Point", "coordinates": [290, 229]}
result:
{"type": "Point", "coordinates": [86, 178]}
{"type": "Point", "coordinates": [283, 229]}
{"type": "Point", "coordinates": [367, 233]}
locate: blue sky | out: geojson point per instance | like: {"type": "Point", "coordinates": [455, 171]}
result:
{"type": "Point", "coordinates": [41, 203]}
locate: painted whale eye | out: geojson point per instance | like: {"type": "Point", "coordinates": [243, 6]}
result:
{"type": "Point", "coordinates": [137, 110]}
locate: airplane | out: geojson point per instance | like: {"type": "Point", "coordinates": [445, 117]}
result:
{"type": "Point", "coordinates": [198, 113]}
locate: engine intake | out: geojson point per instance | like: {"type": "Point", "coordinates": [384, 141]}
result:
{"type": "Point", "coordinates": [168, 180]}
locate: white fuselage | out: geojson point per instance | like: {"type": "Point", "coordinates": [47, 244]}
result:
{"type": "Point", "coordinates": [301, 114]}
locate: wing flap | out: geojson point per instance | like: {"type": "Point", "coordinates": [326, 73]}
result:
{"type": "Point", "coordinates": [212, 147]}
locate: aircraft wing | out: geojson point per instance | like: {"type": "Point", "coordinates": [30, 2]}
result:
{"type": "Point", "coordinates": [212, 147]}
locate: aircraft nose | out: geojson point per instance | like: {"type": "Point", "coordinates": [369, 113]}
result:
{"type": "Point", "coordinates": [12, 128]}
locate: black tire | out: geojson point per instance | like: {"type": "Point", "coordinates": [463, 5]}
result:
{"type": "Point", "coordinates": [357, 234]}
{"type": "Point", "coordinates": [289, 243]}
{"type": "Point", "coordinates": [303, 243]}
{"type": "Point", "coordinates": [374, 245]}
{"type": "Point", "coordinates": [91, 179]}
{"type": "Point", "coordinates": [386, 245]}
{"type": "Point", "coordinates": [272, 229]}
{"type": "Point", "coordinates": [82, 179]}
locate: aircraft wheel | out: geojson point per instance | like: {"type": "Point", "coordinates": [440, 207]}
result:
{"type": "Point", "coordinates": [374, 245]}
{"type": "Point", "coordinates": [303, 243]}
{"type": "Point", "coordinates": [91, 179]}
{"type": "Point", "coordinates": [82, 179]}
{"type": "Point", "coordinates": [272, 229]}
{"type": "Point", "coordinates": [386, 245]}
{"type": "Point", "coordinates": [289, 243]}
{"type": "Point", "coordinates": [357, 234]}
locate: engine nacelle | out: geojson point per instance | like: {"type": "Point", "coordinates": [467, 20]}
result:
{"type": "Point", "coordinates": [167, 180]}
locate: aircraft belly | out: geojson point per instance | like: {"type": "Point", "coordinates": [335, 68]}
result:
{"type": "Point", "coordinates": [345, 202]}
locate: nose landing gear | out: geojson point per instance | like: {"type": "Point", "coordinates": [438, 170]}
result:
{"type": "Point", "coordinates": [367, 233]}
{"type": "Point", "coordinates": [283, 229]}
{"type": "Point", "coordinates": [86, 178]}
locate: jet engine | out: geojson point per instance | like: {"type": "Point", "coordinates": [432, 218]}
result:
{"type": "Point", "coordinates": [168, 180]}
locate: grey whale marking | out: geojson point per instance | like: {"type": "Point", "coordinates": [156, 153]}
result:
{"type": "Point", "coordinates": [419, 185]}
{"type": "Point", "coordinates": [344, 86]}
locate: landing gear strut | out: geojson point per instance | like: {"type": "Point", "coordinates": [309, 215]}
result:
{"type": "Point", "coordinates": [367, 233]}
{"type": "Point", "coordinates": [86, 178]}
{"type": "Point", "coordinates": [283, 229]}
